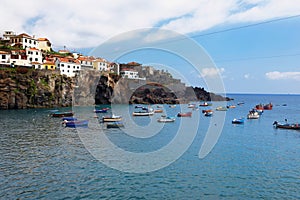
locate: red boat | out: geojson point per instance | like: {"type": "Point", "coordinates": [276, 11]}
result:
{"type": "Point", "coordinates": [268, 106]}
{"type": "Point", "coordinates": [205, 111]}
{"type": "Point", "coordinates": [188, 114]}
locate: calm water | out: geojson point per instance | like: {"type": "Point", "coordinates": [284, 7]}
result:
{"type": "Point", "coordinates": [40, 159]}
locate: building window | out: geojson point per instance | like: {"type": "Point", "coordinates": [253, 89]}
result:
{"type": "Point", "coordinates": [3, 56]}
{"type": "Point", "coordinates": [36, 59]}
{"type": "Point", "coordinates": [68, 71]}
{"type": "Point", "coordinates": [62, 65]}
{"type": "Point", "coordinates": [77, 67]}
{"type": "Point", "coordinates": [37, 53]}
{"type": "Point", "coordinates": [30, 59]}
{"type": "Point", "coordinates": [73, 67]}
{"type": "Point", "coordinates": [25, 40]}
{"type": "Point", "coordinates": [68, 67]}
{"type": "Point", "coordinates": [63, 70]}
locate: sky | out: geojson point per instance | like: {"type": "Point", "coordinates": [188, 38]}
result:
{"type": "Point", "coordinates": [252, 45]}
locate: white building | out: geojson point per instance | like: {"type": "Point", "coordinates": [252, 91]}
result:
{"type": "Point", "coordinates": [86, 62]}
{"type": "Point", "coordinates": [19, 57]}
{"type": "Point", "coordinates": [68, 66]}
{"type": "Point", "coordinates": [34, 55]}
{"type": "Point", "coordinates": [129, 73]}
{"type": "Point", "coordinates": [100, 64]}
{"type": "Point", "coordinates": [7, 35]}
{"type": "Point", "coordinates": [4, 58]}
{"type": "Point", "coordinates": [23, 40]}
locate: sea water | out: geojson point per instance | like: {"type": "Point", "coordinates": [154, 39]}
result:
{"type": "Point", "coordinates": [41, 159]}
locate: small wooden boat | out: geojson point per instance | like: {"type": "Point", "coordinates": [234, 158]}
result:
{"type": "Point", "coordinates": [142, 113]}
{"type": "Point", "coordinates": [238, 121]}
{"type": "Point", "coordinates": [76, 123]}
{"type": "Point", "coordinates": [221, 108]}
{"type": "Point", "coordinates": [112, 118]}
{"type": "Point", "coordinates": [69, 119]}
{"type": "Point", "coordinates": [269, 106]}
{"type": "Point", "coordinates": [165, 119]}
{"type": "Point", "coordinates": [172, 106]}
{"type": "Point", "coordinates": [104, 110]}
{"type": "Point", "coordinates": [294, 126]}
{"type": "Point", "coordinates": [204, 111]}
{"type": "Point", "coordinates": [191, 105]}
{"type": "Point", "coordinates": [205, 104]}
{"type": "Point", "coordinates": [231, 106]}
{"type": "Point", "coordinates": [208, 114]}
{"type": "Point", "coordinates": [253, 115]}
{"type": "Point", "coordinates": [158, 111]}
{"type": "Point", "coordinates": [62, 114]}
{"type": "Point", "coordinates": [115, 125]}
{"type": "Point", "coordinates": [187, 114]}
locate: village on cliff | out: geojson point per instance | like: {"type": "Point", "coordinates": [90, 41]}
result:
{"type": "Point", "coordinates": [28, 51]}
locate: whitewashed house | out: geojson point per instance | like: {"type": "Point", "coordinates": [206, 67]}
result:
{"type": "Point", "coordinates": [4, 58]}
{"type": "Point", "coordinates": [34, 55]}
{"type": "Point", "coordinates": [86, 62]}
{"type": "Point", "coordinates": [100, 64]}
{"type": "Point", "coordinates": [19, 58]}
{"type": "Point", "coordinates": [68, 66]}
{"type": "Point", "coordinates": [23, 40]}
{"type": "Point", "coordinates": [129, 73]}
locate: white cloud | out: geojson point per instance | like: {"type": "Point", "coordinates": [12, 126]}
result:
{"type": "Point", "coordinates": [88, 23]}
{"type": "Point", "coordinates": [275, 75]}
{"type": "Point", "coordinates": [211, 72]}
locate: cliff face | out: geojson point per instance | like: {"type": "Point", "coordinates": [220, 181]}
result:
{"type": "Point", "coordinates": [22, 88]}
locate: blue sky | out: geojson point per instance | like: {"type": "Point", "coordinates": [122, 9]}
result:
{"type": "Point", "coordinates": [256, 59]}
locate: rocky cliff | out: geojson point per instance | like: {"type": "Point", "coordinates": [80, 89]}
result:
{"type": "Point", "coordinates": [22, 88]}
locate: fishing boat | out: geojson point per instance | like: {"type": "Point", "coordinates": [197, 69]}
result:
{"type": "Point", "coordinates": [294, 126]}
{"type": "Point", "coordinates": [208, 114]}
{"type": "Point", "coordinates": [205, 104]}
{"type": "Point", "coordinates": [191, 105]}
{"type": "Point", "coordinates": [268, 106]}
{"type": "Point", "coordinates": [165, 119]}
{"type": "Point", "coordinates": [112, 118]}
{"type": "Point", "coordinates": [104, 110]}
{"type": "Point", "coordinates": [115, 124]}
{"type": "Point", "coordinates": [238, 121]}
{"type": "Point", "coordinates": [221, 108]}
{"type": "Point", "coordinates": [69, 119]}
{"type": "Point", "coordinates": [158, 111]}
{"type": "Point", "coordinates": [144, 112]}
{"type": "Point", "coordinates": [204, 111]}
{"type": "Point", "coordinates": [62, 114]}
{"type": "Point", "coordinates": [187, 114]}
{"type": "Point", "coordinates": [172, 106]}
{"type": "Point", "coordinates": [231, 106]}
{"type": "Point", "coordinates": [253, 115]}
{"type": "Point", "coordinates": [76, 123]}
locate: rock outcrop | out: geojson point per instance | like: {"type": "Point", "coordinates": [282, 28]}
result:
{"type": "Point", "coordinates": [25, 88]}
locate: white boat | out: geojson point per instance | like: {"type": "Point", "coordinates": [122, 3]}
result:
{"type": "Point", "coordinates": [113, 118]}
{"type": "Point", "coordinates": [143, 113]}
{"type": "Point", "coordinates": [253, 115]}
{"type": "Point", "coordinates": [166, 119]}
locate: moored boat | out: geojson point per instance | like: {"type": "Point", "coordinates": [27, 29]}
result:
{"type": "Point", "coordinates": [191, 105]}
{"type": "Point", "coordinates": [253, 115]}
{"type": "Point", "coordinates": [104, 110]}
{"type": "Point", "coordinates": [115, 124]}
{"type": "Point", "coordinates": [112, 118]}
{"type": "Point", "coordinates": [221, 108]}
{"type": "Point", "coordinates": [294, 126]}
{"type": "Point", "coordinates": [238, 121]}
{"type": "Point", "coordinates": [62, 114]}
{"type": "Point", "coordinates": [187, 114]}
{"type": "Point", "coordinates": [204, 111]}
{"type": "Point", "coordinates": [76, 123]}
{"type": "Point", "coordinates": [205, 104]}
{"type": "Point", "coordinates": [165, 119]}
{"type": "Point", "coordinates": [269, 106]}
{"type": "Point", "coordinates": [158, 111]}
{"type": "Point", "coordinates": [69, 119]}
{"type": "Point", "coordinates": [208, 114]}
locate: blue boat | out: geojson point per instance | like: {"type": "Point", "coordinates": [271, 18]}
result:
{"type": "Point", "coordinates": [77, 123]}
{"type": "Point", "coordinates": [104, 110]}
{"type": "Point", "coordinates": [69, 119]}
{"type": "Point", "coordinates": [238, 121]}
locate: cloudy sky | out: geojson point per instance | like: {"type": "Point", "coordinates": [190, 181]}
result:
{"type": "Point", "coordinates": [254, 43]}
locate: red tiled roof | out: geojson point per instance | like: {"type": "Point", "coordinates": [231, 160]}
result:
{"type": "Point", "coordinates": [24, 35]}
{"type": "Point", "coordinates": [49, 63]}
{"type": "Point", "coordinates": [43, 39]}
{"type": "Point", "coordinates": [4, 52]}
